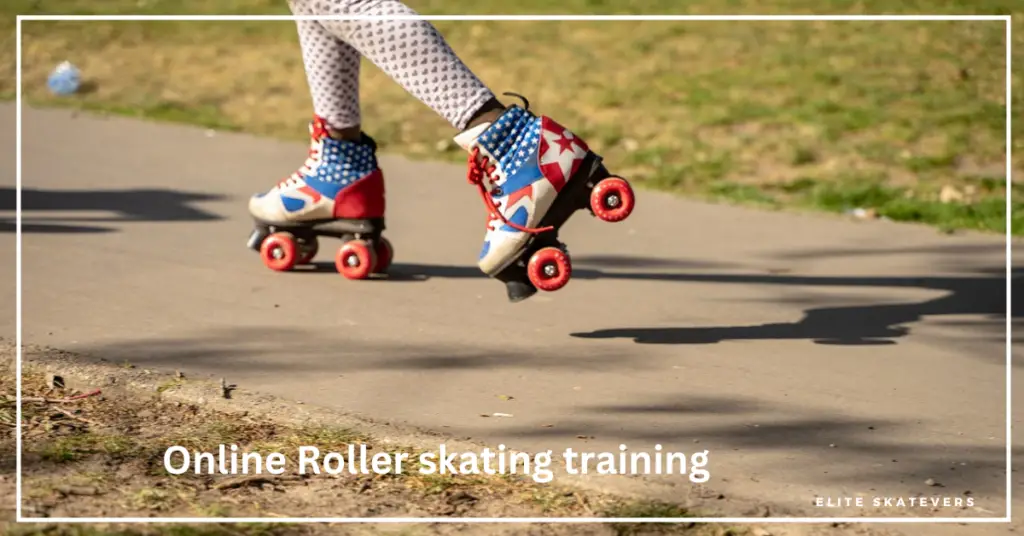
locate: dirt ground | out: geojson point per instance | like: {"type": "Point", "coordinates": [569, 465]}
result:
{"type": "Point", "coordinates": [98, 451]}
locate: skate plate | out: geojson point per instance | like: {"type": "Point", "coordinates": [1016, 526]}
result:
{"type": "Point", "coordinates": [364, 252]}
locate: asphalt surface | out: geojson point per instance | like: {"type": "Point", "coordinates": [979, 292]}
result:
{"type": "Point", "coordinates": [811, 355]}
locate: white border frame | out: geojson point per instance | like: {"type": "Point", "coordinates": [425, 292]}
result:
{"type": "Point", "coordinates": [732, 520]}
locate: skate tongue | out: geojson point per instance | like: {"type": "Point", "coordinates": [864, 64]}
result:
{"type": "Point", "coordinates": [467, 138]}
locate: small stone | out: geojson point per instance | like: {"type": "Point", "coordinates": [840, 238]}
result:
{"type": "Point", "coordinates": [932, 482]}
{"type": "Point", "coordinates": [831, 445]}
{"type": "Point", "coordinates": [864, 213]}
{"type": "Point", "coordinates": [950, 194]}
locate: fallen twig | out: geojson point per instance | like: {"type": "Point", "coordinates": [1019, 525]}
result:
{"type": "Point", "coordinates": [78, 490]}
{"type": "Point", "coordinates": [75, 398]}
{"type": "Point", "coordinates": [76, 417]}
{"type": "Point", "coordinates": [94, 392]}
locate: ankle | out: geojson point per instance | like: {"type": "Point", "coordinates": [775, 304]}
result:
{"type": "Point", "coordinates": [488, 113]}
{"type": "Point", "coordinates": [353, 134]}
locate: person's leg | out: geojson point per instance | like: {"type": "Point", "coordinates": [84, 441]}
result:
{"type": "Point", "coordinates": [340, 178]}
{"type": "Point", "coordinates": [415, 55]}
{"type": "Point", "coordinates": [332, 73]}
{"type": "Point", "coordinates": [521, 163]}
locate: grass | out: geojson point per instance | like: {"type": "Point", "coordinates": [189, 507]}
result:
{"type": "Point", "coordinates": [78, 447]}
{"type": "Point", "coordinates": [827, 116]}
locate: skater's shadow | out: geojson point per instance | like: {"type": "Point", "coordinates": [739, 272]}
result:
{"type": "Point", "coordinates": [982, 293]}
{"type": "Point", "coordinates": [79, 211]}
{"type": "Point", "coordinates": [405, 272]}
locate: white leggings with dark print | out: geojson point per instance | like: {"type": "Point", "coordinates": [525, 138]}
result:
{"type": "Point", "coordinates": [411, 52]}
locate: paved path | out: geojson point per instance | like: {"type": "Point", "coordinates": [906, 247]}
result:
{"type": "Point", "coordinates": [811, 355]}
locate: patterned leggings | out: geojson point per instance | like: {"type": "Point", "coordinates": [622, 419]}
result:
{"type": "Point", "coordinates": [411, 52]}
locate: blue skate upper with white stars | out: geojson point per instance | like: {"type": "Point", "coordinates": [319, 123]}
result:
{"type": "Point", "coordinates": [313, 191]}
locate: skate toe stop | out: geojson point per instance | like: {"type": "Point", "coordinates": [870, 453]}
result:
{"type": "Point", "coordinates": [519, 291]}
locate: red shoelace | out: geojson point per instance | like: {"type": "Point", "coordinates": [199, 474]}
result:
{"type": "Point", "coordinates": [480, 168]}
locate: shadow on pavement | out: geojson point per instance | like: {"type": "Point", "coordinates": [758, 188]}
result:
{"type": "Point", "coordinates": [258, 350]}
{"type": "Point", "coordinates": [981, 293]}
{"type": "Point", "coordinates": [124, 205]}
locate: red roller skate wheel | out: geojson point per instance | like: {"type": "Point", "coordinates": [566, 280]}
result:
{"type": "Point", "coordinates": [355, 260]}
{"type": "Point", "coordinates": [385, 253]}
{"type": "Point", "coordinates": [612, 199]}
{"type": "Point", "coordinates": [279, 252]}
{"type": "Point", "coordinates": [308, 251]}
{"type": "Point", "coordinates": [549, 269]}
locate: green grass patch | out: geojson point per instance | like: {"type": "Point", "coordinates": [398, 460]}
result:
{"type": "Point", "coordinates": [987, 213]}
{"type": "Point", "coordinates": [79, 446]}
{"type": "Point", "coordinates": [737, 112]}
{"type": "Point", "coordinates": [647, 509]}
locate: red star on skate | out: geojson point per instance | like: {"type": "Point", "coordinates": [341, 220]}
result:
{"type": "Point", "coordinates": [564, 143]}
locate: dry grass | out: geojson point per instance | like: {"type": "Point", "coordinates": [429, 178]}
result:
{"type": "Point", "coordinates": [102, 456]}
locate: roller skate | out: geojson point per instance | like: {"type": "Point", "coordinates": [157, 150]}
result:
{"type": "Point", "coordinates": [533, 175]}
{"type": "Point", "coordinates": [337, 193]}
